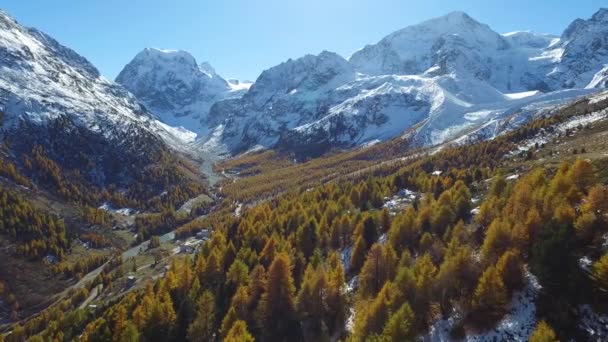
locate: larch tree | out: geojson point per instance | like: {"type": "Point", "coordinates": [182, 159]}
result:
{"type": "Point", "coordinates": [600, 271]}
{"type": "Point", "coordinates": [510, 267]}
{"type": "Point", "coordinates": [311, 302]}
{"type": "Point", "coordinates": [582, 174]}
{"type": "Point", "coordinates": [372, 315]}
{"type": "Point", "coordinates": [239, 333]}
{"type": "Point", "coordinates": [490, 296]}
{"type": "Point", "coordinates": [543, 333]}
{"type": "Point", "coordinates": [204, 325]}
{"type": "Point", "coordinates": [497, 240]}
{"type": "Point", "coordinates": [278, 309]}
{"type": "Point", "coordinates": [228, 321]}
{"type": "Point", "coordinates": [400, 326]}
{"type": "Point", "coordinates": [307, 237]}
{"type": "Point", "coordinates": [379, 267]}
{"type": "Point", "coordinates": [357, 257]}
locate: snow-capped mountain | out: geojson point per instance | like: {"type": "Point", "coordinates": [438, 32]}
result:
{"type": "Point", "coordinates": [457, 44]}
{"type": "Point", "coordinates": [444, 77]}
{"type": "Point", "coordinates": [454, 43]}
{"type": "Point", "coordinates": [284, 97]}
{"type": "Point", "coordinates": [52, 97]}
{"type": "Point", "coordinates": [41, 80]}
{"type": "Point", "coordinates": [432, 82]}
{"type": "Point", "coordinates": [174, 87]}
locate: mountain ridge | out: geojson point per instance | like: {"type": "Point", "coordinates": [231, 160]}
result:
{"type": "Point", "coordinates": [438, 76]}
{"type": "Point", "coordinates": [473, 65]}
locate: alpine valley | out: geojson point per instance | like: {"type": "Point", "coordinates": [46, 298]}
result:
{"type": "Point", "coordinates": [448, 182]}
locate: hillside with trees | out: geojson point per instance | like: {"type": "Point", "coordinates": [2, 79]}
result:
{"type": "Point", "coordinates": [478, 227]}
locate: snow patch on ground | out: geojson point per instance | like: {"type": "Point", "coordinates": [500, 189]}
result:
{"type": "Point", "coordinates": [122, 211]}
{"type": "Point", "coordinates": [400, 200]}
{"type": "Point", "coordinates": [350, 321]}
{"type": "Point", "coordinates": [516, 325]}
{"type": "Point", "coordinates": [596, 325]}
{"type": "Point", "coordinates": [544, 137]}
{"type": "Point", "coordinates": [238, 210]}
{"type": "Point", "coordinates": [585, 263]}
{"type": "Point", "coordinates": [345, 257]}
{"type": "Point", "coordinates": [512, 177]}
{"type": "Point", "coordinates": [517, 96]}
{"type": "Point", "coordinates": [600, 97]}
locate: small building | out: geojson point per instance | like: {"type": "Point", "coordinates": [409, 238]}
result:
{"type": "Point", "coordinates": [203, 234]}
{"type": "Point", "coordinates": [186, 248]}
{"type": "Point", "coordinates": [131, 281]}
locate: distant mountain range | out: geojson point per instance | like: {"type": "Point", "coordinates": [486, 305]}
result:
{"type": "Point", "coordinates": [435, 81]}
{"type": "Point", "coordinates": [448, 78]}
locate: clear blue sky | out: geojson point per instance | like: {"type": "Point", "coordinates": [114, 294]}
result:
{"type": "Point", "coordinates": [240, 38]}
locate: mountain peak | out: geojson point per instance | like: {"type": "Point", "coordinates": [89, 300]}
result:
{"type": "Point", "coordinates": [601, 15]}
{"type": "Point", "coordinates": [43, 81]}
{"type": "Point", "coordinates": [455, 18]}
{"type": "Point", "coordinates": [416, 48]}
{"type": "Point", "coordinates": [165, 55]}
{"type": "Point", "coordinates": [598, 21]}
{"type": "Point", "coordinates": [309, 71]}
{"type": "Point", "coordinates": [458, 16]}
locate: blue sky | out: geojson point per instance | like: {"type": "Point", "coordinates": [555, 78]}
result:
{"type": "Point", "coordinates": [240, 38]}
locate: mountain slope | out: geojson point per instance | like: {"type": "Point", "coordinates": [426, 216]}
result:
{"type": "Point", "coordinates": [282, 98]}
{"type": "Point", "coordinates": [583, 52]}
{"type": "Point", "coordinates": [55, 105]}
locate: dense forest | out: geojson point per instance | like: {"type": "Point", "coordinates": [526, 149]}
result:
{"type": "Point", "coordinates": [277, 273]}
{"type": "Point", "coordinates": [328, 261]}
{"type": "Point", "coordinates": [36, 233]}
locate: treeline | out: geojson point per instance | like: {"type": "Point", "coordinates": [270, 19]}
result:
{"type": "Point", "coordinates": [83, 167]}
{"type": "Point", "coordinates": [269, 173]}
{"type": "Point", "coordinates": [35, 232]}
